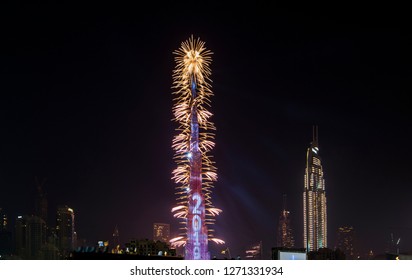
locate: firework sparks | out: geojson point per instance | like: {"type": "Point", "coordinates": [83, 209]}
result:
{"type": "Point", "coordinates": [195, 171]}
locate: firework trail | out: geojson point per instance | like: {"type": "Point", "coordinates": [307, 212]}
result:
{"type": "Point", "coordinates": [195, 171]}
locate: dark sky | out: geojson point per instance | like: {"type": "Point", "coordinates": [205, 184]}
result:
{"type": "Point", "coordinates": [86, 102]}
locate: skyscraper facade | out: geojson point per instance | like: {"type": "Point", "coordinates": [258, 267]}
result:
{"type": "Point", "coordinates": [30, 237]}
{"type": "Point", "coordinates": [285, 237]}
{"type": "Point", "coordinates": [65, 230]}
{"type": "Point", "coordinates": [314, 199]}
{"type": "Point", "coordinates": [161, 232]}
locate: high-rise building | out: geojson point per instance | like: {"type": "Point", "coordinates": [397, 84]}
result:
{"type": "Point", "coordinates": [285, 234]}
{"type": "Point", "coordinates": [30, 237]}
{"type": "Point", "coordinates": [314, 199]}
{"type": "Point", "coordinates": [346, 241]}
{"type": "Point", "coordinates": [65, 230]}
{"type": "Point", "coordinates": [161, 232]}
{"type": "Point", "coordinates": [195, 171]}
{"type": "Point", "coordinates": [20, 236]}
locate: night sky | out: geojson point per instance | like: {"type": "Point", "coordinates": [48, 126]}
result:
{"type": "Point", "coordinates": [86, 102]}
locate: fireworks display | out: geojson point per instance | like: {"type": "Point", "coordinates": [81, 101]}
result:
{"type": "Point", "coordinates": [195, 171]}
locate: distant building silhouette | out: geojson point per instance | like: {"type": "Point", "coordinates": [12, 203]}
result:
{"type": "Point", "coordinates": [285, 234]}
{"type": "Point", "coordinates": [65, 231]}
{"type": "Point", "coordinates": [51, 251]}
{"type": "Point", "coordinates": [3, 221]}
{"type": "Point", "coordinates": [41, 204]}
{"type": "Point", "coordinates": [116, 239]}
{"type": "Point", "coordinates": [6, 238]}
{"type": "Point", "coordinates": [314, 199]}
{"type": "Point", "coordinates": [30, 237]}
{"type": "Point", "coordinates": [161, 232]}
{"type": "Point", "coordinates": [346, 242]}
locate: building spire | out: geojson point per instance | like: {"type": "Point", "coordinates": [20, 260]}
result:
{"type": "Point", "coordinates": [315, 131]}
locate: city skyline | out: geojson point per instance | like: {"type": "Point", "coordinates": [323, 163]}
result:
{"type": "Point", "coordinates": [86, 104]}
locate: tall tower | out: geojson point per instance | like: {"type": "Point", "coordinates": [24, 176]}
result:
{"type": "Point", "coordinates": [30, 237]}
{"type": "Point", "coordinates": [65, 230]}
{"type": "Point", "coordinates": [195, 172]}
{"type": "Point", "coordinates": [314, 199]}
{"type": "Point", "coordinates": [285, 234]}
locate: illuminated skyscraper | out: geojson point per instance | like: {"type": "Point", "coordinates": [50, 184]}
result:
{"type": "Point", "coordinates": [314, 199]}
{"type": "Point", "coordinates": [161, 232]}
{"type": "Point", "coordinates": [65, 230]}
{"type": "Point", "coordinates": [195, 171]}
{"type": "Point", "coordinates": [285, 234]}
